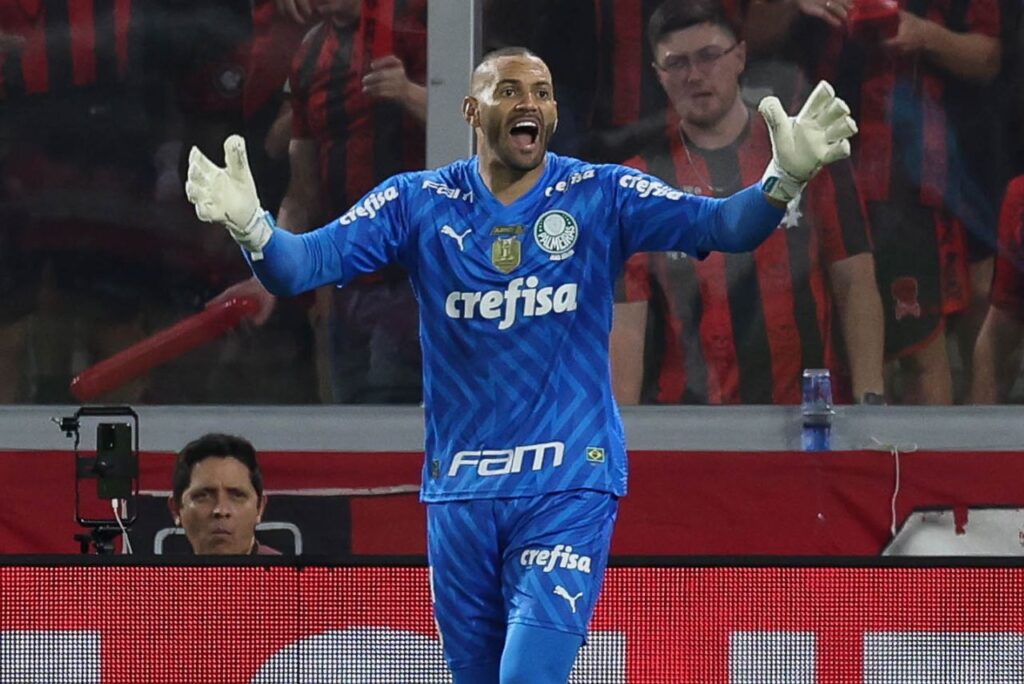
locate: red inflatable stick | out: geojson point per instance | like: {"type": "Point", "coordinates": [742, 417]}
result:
{"type": "Point", "coordinates": [166, 345]}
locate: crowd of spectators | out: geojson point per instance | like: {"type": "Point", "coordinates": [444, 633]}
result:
{"type": "Point", "coordinates": [900, 271]}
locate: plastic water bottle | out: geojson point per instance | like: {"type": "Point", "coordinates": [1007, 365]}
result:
{"type": "Point", "coordinates": [816, 409]}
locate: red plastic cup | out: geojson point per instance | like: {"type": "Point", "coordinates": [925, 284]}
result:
{"type": "Point", "coordinates": [874, 20]}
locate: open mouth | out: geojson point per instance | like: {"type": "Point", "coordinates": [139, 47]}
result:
{"type": "Point", "coordinates": [524, 134]}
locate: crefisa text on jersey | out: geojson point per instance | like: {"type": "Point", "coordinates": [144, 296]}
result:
{"type": "Point", "coordinates": [646, 187]}
{"type": "Point", "coordinates": [370, 206]}
{"type": "Point", "coordinates": [561, 556]}
{"type": "Point", "coordinates": [504, 304]}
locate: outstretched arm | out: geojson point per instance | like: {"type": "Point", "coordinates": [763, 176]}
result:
{"type": "Point", "coordinates": [372, 234]}
{"type": "Point", "coordinates": [801, 145]}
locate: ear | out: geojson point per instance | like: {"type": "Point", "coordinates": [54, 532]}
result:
{"type": "Point", "coordinates": [175, 510]}
{"type": "Point", "coordinates": [262, 507]}
{"type": "Point", "coordinates": [471, 111]}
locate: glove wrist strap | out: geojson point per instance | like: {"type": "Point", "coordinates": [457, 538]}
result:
{"type": "Point", "coordinates": [255, 235]}
{"type": "Point", "coordinates": [780, 185]}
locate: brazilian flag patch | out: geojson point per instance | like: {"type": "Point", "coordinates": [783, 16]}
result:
{"type": "Point", "coordinates": [595, 455]}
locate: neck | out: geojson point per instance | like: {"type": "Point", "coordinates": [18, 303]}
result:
{"type": "Point", "coordinates": [722, 132]}
{"type": "Point", "coordinates": [507, 184]}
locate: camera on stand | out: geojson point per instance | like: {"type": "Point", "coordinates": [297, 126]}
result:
{"type": "Point", "coordinates": [114, 465]}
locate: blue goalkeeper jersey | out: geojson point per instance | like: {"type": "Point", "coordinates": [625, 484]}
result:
{"type": "Point", "coordinates": [515, 309]}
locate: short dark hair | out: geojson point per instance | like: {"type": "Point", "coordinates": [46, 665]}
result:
{"type": "Point", "coordinates": [510, 51]}
{"type": "Point", "coordinates": [676, 15]}
{"type": "Point", "coordinates": [215, 445]}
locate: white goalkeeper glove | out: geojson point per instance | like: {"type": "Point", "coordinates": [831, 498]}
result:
{"type": "Point", "coordinates": [228, 196]}
{"type": "Point", "coordinates": [802, 144]}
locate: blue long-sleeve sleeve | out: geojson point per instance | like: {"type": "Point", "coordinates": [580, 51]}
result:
{"type": "Point", "coordinates": [656, 217]}
{"type": "Point", "coordinates": [292, 264]}
{"type": "Point", "coordinates": [366, 238]}
{"type": "Point", "coordinates": [744, 221]}
{"type": "Point", "coordinates": [375, 232]}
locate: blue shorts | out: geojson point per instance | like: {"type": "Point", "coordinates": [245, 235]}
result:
{"type": "Point", "coordinates": [536, 560]}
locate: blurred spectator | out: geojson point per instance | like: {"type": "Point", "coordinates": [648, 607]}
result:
{"type": "Point", "coordinates": [97, 100]}
{"type": "Point", "coordinates": [228, 63]}
{"type": "Point", "coordinates": [79, 144]}
{"type": "Point", "coordinates": [277, 30]}
{"type": "Point", "coordinates": [741, 328]}
{"type": "Point", "coordinates": [929, 158]}
{"type": "Point", "coordinates": [217, 496]}
{"type": "Point", "coordinates": [997, 354]}
{"type": "Point", "coordinates": [980, 114]}
{"type": "Point", "coordinates": [203, 49]}
{"type": "Point", "coordinates": [1013, 72]}
{"type": "Point", "coordinates": [909, 166]}
{"type": "Point", "coordinates": [358, 109]}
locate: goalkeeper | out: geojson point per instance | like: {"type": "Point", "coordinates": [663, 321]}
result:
{"type": "Point", "coordinates": [513, 255]}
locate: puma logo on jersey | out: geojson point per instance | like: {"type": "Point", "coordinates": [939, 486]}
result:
{"type": "Point", "coordinates": [564, 593]}
{"type": "Point", "coordinates": [504, 305]}
{"type": "Point", "coordinates": [450, 232]}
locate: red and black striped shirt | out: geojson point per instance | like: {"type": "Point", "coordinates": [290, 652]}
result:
{"type": "Point", "coordinates": [1008, 283]}
{"type": "Point", "coordinates": [275, 40]}
{"type": "Point", "coordinates": [69, 45]}
{"type": "Point", "coordinates": [360, 141]}
{"type": "Point", "coordinates": [739, 328]}
{"type": "Point", "coordinates": [906, 141]}
{"type": "Point", "coordinates": [628, 87]}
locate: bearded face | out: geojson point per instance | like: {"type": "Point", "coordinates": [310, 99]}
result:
{"type": "Point", "coordinates": [514, 111]}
